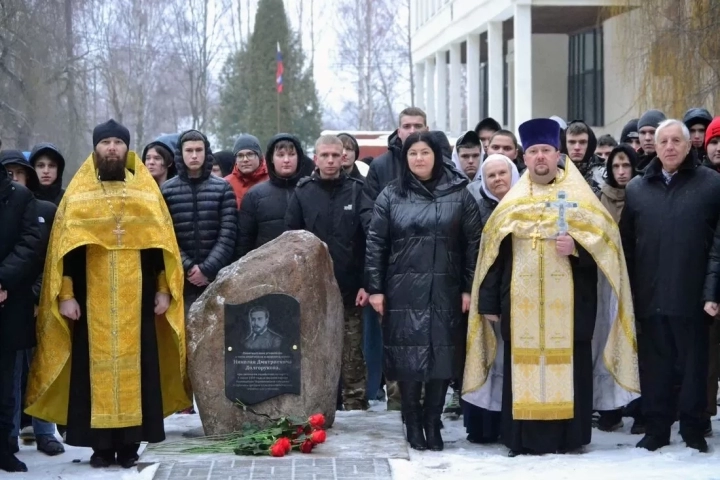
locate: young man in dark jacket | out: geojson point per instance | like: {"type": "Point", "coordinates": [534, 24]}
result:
{"type": "Point", "coordinates": [261, 217]}
{"type": "Point", "coordinates": [697, 121]}
{"type": "Point", "coordinates": [671, 238]}
{"type": "Point", "coordinates": [19, 246]}
{"type": "Point", "coordinates": [42, 432]}
{"type": "Point", "coordinates": [204, 214]}
{"type": "Point", "coordinates": [325, 204]}
{"type": "Point", "coordinates": [49, 164]}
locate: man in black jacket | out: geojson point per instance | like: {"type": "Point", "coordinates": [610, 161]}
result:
{"type": "Point", "coordinates": [204, 214]}
{"type": "Point", "coordinates": [19, 246]}
{"type": "Point", "coordinates": [42, 432]}
{"type": "Point", "coordinates": [671, 238]}
{"type": "Point", "coordinates": [261, 217]}
{"type": "Point", "coordinates": [386, 168]}
{"type": "Point", "coordinates": [325, 204]}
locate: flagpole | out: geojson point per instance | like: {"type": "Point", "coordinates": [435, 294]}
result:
{"type": "Point", "coordinates": [277, 104]}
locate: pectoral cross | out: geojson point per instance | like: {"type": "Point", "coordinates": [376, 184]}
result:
{"type": "Point", "coordinates": [561, 204]}
{"type": "Point", "coordinates": [118, 232]}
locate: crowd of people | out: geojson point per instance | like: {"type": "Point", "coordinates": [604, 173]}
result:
{"type": "Point", "coordinates": [543, 279]}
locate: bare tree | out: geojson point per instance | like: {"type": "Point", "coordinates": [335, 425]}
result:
{"type": "Point", "coordinates": [374, 54]}
{"type": "Point", "coordinates": [198, 41]}
{"type": "Point", "coordinates": [675, 55]}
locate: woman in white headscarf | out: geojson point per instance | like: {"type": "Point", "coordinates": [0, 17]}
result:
{"type": "Point", "coordinates": [498, 174]}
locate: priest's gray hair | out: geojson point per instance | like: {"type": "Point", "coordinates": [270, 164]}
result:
{"type": "Point", "coordinates": [671, 122]}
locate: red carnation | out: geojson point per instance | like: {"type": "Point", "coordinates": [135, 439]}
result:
{"type": "Point", "coordinates": [318, 436]}
{"type": "Point", "coordinates": [278, 448]}
{"type": "Point", "coordinates": [307, 446]}
{"type": "Point", "coordinates": [317, 420]}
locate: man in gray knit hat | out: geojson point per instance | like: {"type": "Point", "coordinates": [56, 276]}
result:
{"type": "Point", "coordinates": [250, 167]}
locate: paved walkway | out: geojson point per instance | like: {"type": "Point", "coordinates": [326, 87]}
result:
{"type": "Point", "coordinates": [358, 447]}
{"type": "Point", "coordinates": [278, 468]}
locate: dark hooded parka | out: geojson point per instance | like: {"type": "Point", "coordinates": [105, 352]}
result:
{"type": "Point", "coordinates": [20, 246]}
{"type": "Point", "coordinates": [51, 193]}
{"type": "Point", "coordinates": [45, 210]}
{"type": "Point", "coordinates": [261, 217]}
{"type": "Point", "coordinates": [421, 254]}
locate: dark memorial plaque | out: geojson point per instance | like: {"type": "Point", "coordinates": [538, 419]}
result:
{"type": "Point", "coordinates": [262, 349]}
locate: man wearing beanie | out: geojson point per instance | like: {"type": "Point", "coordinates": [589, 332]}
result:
{"type": "Point", "coordinates": [114, 275]}
{"type": "Point", "coordinates": [647, 125]}
{"type": "Point", "coordinates": [630, 134]}
{"type": "Point", "coordinates": [522, 240]}
{"type": "Point", "coordinates": [250, 167]}
{"type": "Point", "coordinates": [697, 121]}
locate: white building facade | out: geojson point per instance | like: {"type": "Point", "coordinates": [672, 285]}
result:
{"type": "Point", "coordinates": [514, 60]}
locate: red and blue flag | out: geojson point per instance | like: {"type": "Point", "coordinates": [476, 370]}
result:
{"type": "Point", "coordinates": [280, 70]}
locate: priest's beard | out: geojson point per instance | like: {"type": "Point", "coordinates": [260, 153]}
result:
{"type": "Point", "coordinates": [110, 168]}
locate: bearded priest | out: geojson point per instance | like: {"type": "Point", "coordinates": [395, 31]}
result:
{"type": "Point", "coordinates": [542, 252]}
{"type": "Point", "coordinates": [110, 362]}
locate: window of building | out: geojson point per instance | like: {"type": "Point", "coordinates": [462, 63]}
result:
{"type": "Point", "coordinates": [586, 88]}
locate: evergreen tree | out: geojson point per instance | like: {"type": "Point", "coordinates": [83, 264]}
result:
{"type": "Point", "coordinates": [249, 100]}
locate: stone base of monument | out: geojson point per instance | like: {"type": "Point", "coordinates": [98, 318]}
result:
{"type": "Point", "coordinates": [267, 333]}
{"type": "Point", "coordinates": [376, 434]}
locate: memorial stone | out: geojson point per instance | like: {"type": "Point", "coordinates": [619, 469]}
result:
{"type": "Point", "coordinates": [292, 277]}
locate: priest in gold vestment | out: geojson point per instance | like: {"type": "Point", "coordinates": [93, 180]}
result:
{"type": "Point", "coordinates": [543, 250]}
{"type": "Point", "coordinates": [110, 362]}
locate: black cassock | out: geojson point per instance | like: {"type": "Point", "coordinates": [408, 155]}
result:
{"type": "Point", "coordinates": [79, 432]}
{"type": "Point", "coordinates": [547, 436]}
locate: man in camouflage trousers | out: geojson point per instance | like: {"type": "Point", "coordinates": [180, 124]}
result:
{"type": "Point", "coordinates": [326, 204]}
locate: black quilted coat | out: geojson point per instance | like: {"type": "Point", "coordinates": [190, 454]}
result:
{"type": "Point", "coordinates": [204, 214]}
{"type": "Point", "coordinates": [421, 254]}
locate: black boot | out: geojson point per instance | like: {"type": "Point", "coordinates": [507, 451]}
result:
{"type": "Point", "coordinates": [653, 442]}
{"type": "Point", "coordinates": [412, 414]}
{"type": "Point", "coordinates": [8, 461]}
{"type": "Point", "coordinates": [434, 402]}
{"type": "Point", "coordinates": [102, 458]}
{"type": "Point", "coordinates": [127, 456]}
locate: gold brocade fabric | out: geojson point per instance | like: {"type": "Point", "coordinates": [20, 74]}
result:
{"type": "Point", "coordinates": [541, 296]}
{"type": "Point", "coordinates": [84, 218]}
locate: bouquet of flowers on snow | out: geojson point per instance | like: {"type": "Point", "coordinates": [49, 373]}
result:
{"type": "Point", "coordinates": [285, 435]}
{"type": "Point", "coordinates": [282, 436]}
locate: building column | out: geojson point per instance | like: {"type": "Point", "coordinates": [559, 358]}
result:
{"type": "Point", "coordinates": [430, 91]}
{"type": "Point", "coordinates": [495, 71]}
{"type": "Point", "coordinates": [455, 95]}
{"type": "Point", "coordinates": [522, 51]}
{"type": "Point", "coordinates": [441, 106]}
{"type": "Point", "coordinates": [472, 59]}
{"type": "Point", "coordinates": [420, 85]}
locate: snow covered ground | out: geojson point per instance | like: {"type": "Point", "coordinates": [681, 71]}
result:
{"type": "Point", "coordinates": [611, 456]}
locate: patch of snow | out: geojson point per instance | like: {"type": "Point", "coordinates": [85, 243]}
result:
{"type": "Point", "coordinates": [610, 456]}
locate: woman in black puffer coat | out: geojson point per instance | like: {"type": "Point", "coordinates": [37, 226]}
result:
{"type": "Point", "coordinates": [204, 213]}
{"type": "Point", "coordinates": [261, 217]}
{"type": "Point", "coordinates": [421, 253]}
